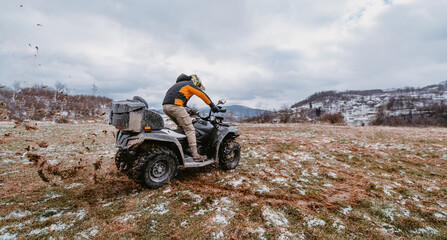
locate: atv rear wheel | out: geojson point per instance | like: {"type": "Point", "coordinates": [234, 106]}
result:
{"type": "Point", "coordinates": [229, 154]}
{"type": "Point", "coordinates": [156, 169]}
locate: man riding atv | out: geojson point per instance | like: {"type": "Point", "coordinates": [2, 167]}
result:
{"type": "Point", "coordinates": [174, 105]}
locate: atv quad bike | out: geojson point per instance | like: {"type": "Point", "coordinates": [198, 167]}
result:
{"type": "Point", "coordinates": [151, 154]}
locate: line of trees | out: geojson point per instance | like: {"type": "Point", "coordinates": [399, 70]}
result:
{"type": "Point", "coordinates": [293, 115]}
{"type": "Point", "coordinates": [431, 115]}
{"type": "Point", "coordinates": [45, 103]}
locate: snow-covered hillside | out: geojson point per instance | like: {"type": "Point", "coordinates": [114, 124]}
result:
{"type": "Point", "coordinates": [363, 106]}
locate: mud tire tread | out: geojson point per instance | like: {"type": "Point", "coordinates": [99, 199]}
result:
{"type": "Point", "coordinates": [138, 170]}
{"type": "Point", "coordinates": [229, 145]}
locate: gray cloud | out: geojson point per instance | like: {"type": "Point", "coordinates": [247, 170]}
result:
{"type": "Point", "coordinates": [267, 54]}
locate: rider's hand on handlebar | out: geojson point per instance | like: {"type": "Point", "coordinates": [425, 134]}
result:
{"type": "Point", "coordinates": [215, 109]}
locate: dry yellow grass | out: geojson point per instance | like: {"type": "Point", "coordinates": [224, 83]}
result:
{"type": "Point", "coordinates": [295, 181]}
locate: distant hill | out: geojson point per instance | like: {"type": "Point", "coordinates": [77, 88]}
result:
{"type": "Point", "coordinates": [404, 106]}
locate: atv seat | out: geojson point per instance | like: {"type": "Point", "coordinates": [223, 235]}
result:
{"type": "Point", "coordinates": [179, 130]}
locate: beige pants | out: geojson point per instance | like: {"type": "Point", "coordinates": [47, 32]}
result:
{"type": "Point", "coordinates": [179, 115]}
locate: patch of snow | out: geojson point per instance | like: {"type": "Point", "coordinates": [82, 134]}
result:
{"type": "Point", "coordinates": [159, 209]}
{"type": "Point", "coordinates": [440, 215]}
{"type": "Point", "coordinates": [126, 218]}
{"type": "Point", "coordinates": [262, 189]}
{"type": "Point", "coordinates": [332, 175]}
{"type": "Point", "coordinates": [59, 226]}
{"type": "Point", "coordinates": [3, 229]}
{"type": "Point", "coordinates": [346, 210]}
{"type": "Point", "coordinates": [397, 184]}
{"type": "Point", "coordinates": [237, 182]}
{"type": "Point", "coordinates": [261, 232]}
{"type": "Point", "coordinates": [387, 228]}
{"type": "Point", "coordinates": [16, 214]}
{"type": "Point", "coordinates": [203, 211]}
{"type": "Point", "coordinates": [427, 230]}
{"type": "Point", "coordinates": [73, 185]}
{"type": "Point", "coordinates": [285, 235]}
{"type": "Point", "coordinates": [387, 190]}
{"type": "Point", "coordinates": [107, 204]}
{"type": "Point", "coordinates": [223, 209]}
{"type": "Point", "coordinates": [93, 232]}
{"type": "Point", "coordinates": [312, 222]}
{"type": "Point", "coordinates": [53, 161]}
{"type": "Point", "coordinates": [7, 161]}
{"type": "Point", "coordinates": [50, 196]}
{"type": "Point", "coordinates": [338, 224]}
{"type": "Point", "coordinates": [38, 231]}
{"type": "Point", "coordinates": [279, 180]}
{"type": "Point", "coordinates": [226, 201]}
{"type": "Point", "coordinates": [220, 219]}
{"type": "Point", "coordinates": [405, 212]}
{"type": "Point", "coordinates": [389, 213]}
{"type": "Point", "coordinates": [304, 173]}
{"type": "Point", "coordinates": [168, 190]}
{"type": "Point", "coordinates": [218, 235]}
{"type": "Point", "coordinates": [275, 218]}
{"type": "Point", "coordinates": [81, 214]}
{"type": "Point", "coordinates": [431, 189]}
{"type": "Point", "coordinates": [8, 236]}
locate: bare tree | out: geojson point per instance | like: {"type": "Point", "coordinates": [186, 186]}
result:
{"type": "Point", "coordinates": [59, 88]}
{"type": "Point", "coordinates": [17, 87]}
{"type": "Point", "coordinates": [94, 89]}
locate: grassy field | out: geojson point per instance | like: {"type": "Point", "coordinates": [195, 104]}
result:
{"type": "Point", "coordinates": [296, 181]}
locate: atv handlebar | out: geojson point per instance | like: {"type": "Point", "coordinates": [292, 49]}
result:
{"type": "Point", "coordinates": [222, 110]}
{"type": "Point", "coordinates": [211, 114]}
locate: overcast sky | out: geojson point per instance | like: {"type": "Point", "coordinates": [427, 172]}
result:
{"type": "Point", "coordinates": [264, 54]}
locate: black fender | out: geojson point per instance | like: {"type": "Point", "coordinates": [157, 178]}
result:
{"type": "Point", "coordinates": [161, 139]}
{"type": "Point", "coordinates": [223, 133]}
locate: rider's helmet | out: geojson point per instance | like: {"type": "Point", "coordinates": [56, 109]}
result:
{"type": "Point", "coordinates": [196, 80]}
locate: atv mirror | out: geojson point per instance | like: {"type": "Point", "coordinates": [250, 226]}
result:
{"type": "Point", "coordinates": [221, 101]}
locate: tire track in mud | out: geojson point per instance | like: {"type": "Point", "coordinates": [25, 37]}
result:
{"type": "Point", "coordinates": [245, 195]}
{"type": "Point", "coordinates": [352, 190]}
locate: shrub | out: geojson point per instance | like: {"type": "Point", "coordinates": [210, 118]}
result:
{"type": "Point", "coordinates": [333, 118]}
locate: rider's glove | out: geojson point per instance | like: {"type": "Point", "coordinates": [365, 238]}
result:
{"type": "Point", "coordinates": [214, 108]}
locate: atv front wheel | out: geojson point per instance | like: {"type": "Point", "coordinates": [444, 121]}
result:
{"type": "Point", "coordinates": [156, 169]}
{"type": "Point", "coordinates": [229, 154]}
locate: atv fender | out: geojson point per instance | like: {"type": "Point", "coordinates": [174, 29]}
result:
{"type": "Point", "coordinates": [221, 135]}
{"type": "Point", "coordinates": [159, 138]}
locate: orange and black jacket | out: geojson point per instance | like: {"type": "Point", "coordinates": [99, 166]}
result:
{"type": "Point", "coordinates": [181, 91]}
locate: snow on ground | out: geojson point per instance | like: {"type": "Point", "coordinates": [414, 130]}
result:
{"type": "Point", "coordinates": [275, 218]}
{"type": "Point", "coordinates": [314, 221]}
{"type": "Point", "coordinates": [294, 181]}
{"type": "Point", "coordinates": [224, 210]}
